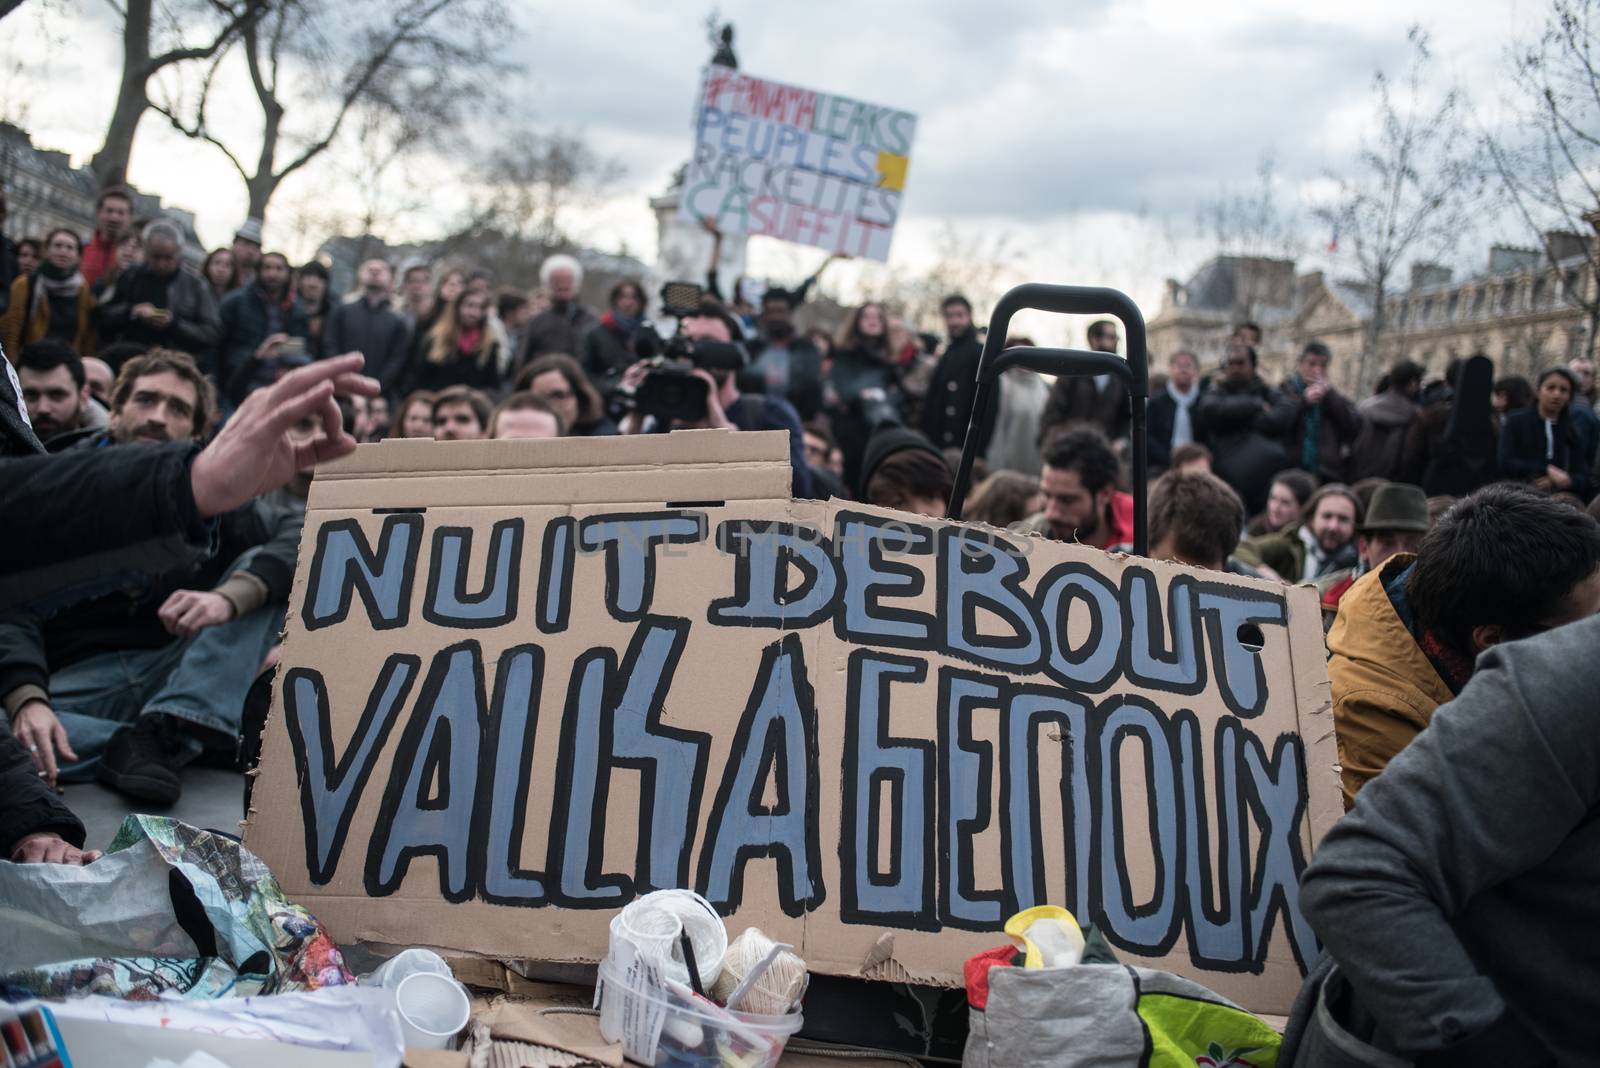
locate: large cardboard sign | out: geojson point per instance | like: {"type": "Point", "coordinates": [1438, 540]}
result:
{"type": "Point", "coordinates": [523, 682]}
{"type": "Point", "coordinates": [797, 164]}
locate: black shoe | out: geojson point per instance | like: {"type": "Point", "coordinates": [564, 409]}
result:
{"type": "Point", "coordinates": [141, 761]}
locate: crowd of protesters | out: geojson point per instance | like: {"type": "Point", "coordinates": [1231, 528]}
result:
{"type": "Point", "coordinates": [1440, 519]}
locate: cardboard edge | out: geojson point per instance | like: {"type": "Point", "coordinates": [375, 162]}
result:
{"type": "Point", "coordinates": [1313, 696]}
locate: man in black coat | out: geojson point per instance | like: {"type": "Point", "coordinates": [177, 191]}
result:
{"type": "Point", "coordinates": [947, 411]}
{"type": "Point", "coordinates": [157, 303]}
{"type": "Point", "coordinates": [1242, 421]}
{"type": "Point", "coordinates": [372, 327]}
{"type": "Point", "coordinates": [259, 323]}
{"type": "Point", "coordinates": [784, 363]}
{"type": "Point", "coordinates": [1170, 418]}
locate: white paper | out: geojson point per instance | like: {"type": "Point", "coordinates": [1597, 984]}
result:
{"type": "Point", "coordinates": [344, 1018]}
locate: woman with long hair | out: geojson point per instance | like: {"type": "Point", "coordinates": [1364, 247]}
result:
{"type": "Point", "coordinates": [462, 348]}
{"type": "Point", "coordinates": [414, 417]}
{"type": "Point", "coordinates": [446, 289]}
{"type": "Point", "coordinates": [1544, 444]}
{"type": "Point", "coordinates": [559, 381]}
{"type": "Point", "coordinates": [1511, 394]}
{"type": "Point", "coordinates": [311, 287]}
{"type": "Point", "coordinates": [221, 273]}
{"type": "Point", "coordinates": [863, 388]}
{"type": "Point", "coordinates": [30, 253]}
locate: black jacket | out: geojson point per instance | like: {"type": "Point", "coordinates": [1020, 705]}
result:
{"type": "Point", "coordinates": [1243, 426]}
{"type": "Point", "coordinates": [195, 325]}
{"type": "Point", "coordinates": [50, 555]}
{"type": "Point", "coordinates": [245, 325]}
{"type": "Point", "coordinates": [855, 372]}
{"type": "Point", "coordinates": [554, 330]}
{"type": "Point", "coordinates": [802, 385]}
{"type": "Point", "coordinates": [953, 390]}
{"type": "Point", "coordinates": [606, 354]}
{"type": "Point", "coordinates": [27, 805]}
{"type": "Point", "coordinates": [378, 332]}
{"type": "Point", "coordinates": [1522, 448]}
{"type": "Point", "coordinates": [481, 372]}
{"type": "Point", "coordinates": [1161, 416]}
{"type": "Point", "coordinates": [38, 641]}
{"type": "Point", "coordinates": [16, 433]}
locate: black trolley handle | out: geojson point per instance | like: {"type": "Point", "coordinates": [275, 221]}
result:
{"type": "Point", "coordinates": [1134, 371]}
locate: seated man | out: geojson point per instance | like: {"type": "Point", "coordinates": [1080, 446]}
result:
{"type": "Point", "coordinates": [1081, 500]}
{"type": "Point", "coordinates": [461, 413]}
{"type": "Point", "coordinates": [1505, 563]}
{"type": "Point", "coordinates": [1324, 543]}
{"type": "Point", "coordinates": [134, 683]}
{"type": "Point", "coordinates": [1195, 519]}
{"type": "Point", "coordinates": [55, 388]}
{"type": "Point", "coordinates": [1394, 524]}
{"type": "Point", "coordinates": [1457, 898]}
{"type": "Point", "coordinates": [522, 415]}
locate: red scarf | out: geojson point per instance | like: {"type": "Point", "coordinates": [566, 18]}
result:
{"type": "Point", "coordinates": [470, 341]}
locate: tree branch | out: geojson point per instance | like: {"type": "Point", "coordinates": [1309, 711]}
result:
{"type": "Point", "coordinates": [358, 89]}
{"type": "Point", "coordinates": [200, 133]}
{"type": "Point", "coordinates": [245, 17]}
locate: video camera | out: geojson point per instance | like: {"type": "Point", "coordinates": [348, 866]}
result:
{"type": "Point", "coordinates": [671, 391]}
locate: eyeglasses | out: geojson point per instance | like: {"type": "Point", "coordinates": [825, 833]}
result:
{"type": "Point", "coordinates": [557, 395]}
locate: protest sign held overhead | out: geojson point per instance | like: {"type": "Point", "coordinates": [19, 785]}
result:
{"type": "Point", "coordinates": [797, 164]}
{"type": "Point", "coordinates": [525, 682]}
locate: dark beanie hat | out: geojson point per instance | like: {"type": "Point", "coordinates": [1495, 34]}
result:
{"type": "Point", "coordinates": [887, 440]}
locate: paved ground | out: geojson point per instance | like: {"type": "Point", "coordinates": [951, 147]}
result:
{"type": "Point", "coordinates": [212, 798]}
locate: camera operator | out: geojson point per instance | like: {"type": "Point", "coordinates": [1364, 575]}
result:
{"type": "Point", "coordinates": [723, 407]}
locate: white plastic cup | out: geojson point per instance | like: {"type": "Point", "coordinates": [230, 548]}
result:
{"type": "Point", "coordinates": [392, 972]}
{"type": "Point", "coordinates": [434, 1010]}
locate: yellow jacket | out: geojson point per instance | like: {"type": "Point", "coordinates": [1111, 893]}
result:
{"type": "Point", "coordinates": [1384, 686]}
{"type": "Point", "coordinates": [17, 328]}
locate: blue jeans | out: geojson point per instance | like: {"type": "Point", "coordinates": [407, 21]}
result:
{"type": "Point", "coordinates": [201, 680]}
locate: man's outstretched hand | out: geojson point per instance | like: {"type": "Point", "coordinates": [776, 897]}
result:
{"type": "Point", "coordinates": [254, 453]}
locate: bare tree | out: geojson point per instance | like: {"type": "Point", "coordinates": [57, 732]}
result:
{"type": "Point", "coordinates": [157, 36]}
{"type": "Point", "coordinates": [980, 265]}
{"type": "Point", "coordinates": [534, 181]}
{"type": "Point", "coordinates": [1250, 223]}
{"type": "Point", "coordinates": [417, 62]}
{"type": "Point", "coordinates": [1410, 192]}
{"type": "Point", "coordinates": [1546, 155]}
{"type": "Point", "coordinates": [527, 189]}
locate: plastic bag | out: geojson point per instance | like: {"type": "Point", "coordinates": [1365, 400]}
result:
{"type": "Point", "coordinates": [170, 909]}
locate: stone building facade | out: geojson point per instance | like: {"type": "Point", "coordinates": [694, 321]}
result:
{"type": "Point", "coordinates": [1517, 311]}
{"type": "Point", "coordinates": [45, 191]}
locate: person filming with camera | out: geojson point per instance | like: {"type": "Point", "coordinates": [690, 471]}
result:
{"type": "Point", "coordinates": [694, 386]}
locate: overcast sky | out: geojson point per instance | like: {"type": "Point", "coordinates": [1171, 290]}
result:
{"type": "Point", "coordinates": [1088, 130]}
